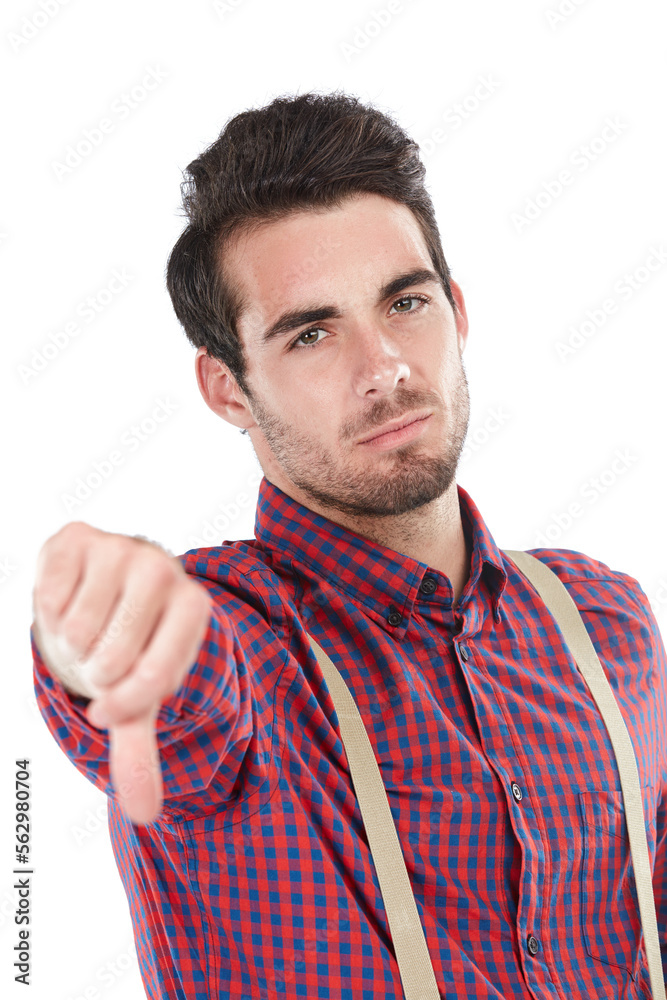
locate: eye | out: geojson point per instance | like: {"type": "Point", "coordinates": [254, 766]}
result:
{"type": "Point", "coordinates": [410, 298]}
{"type": "Point", "coordinates": [318, 329]}
{"type": "Point", "coordinates": [306, 333]}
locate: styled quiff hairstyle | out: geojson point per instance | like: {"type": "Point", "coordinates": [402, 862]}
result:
{"type": "Point", "coordinates": [296, 153]}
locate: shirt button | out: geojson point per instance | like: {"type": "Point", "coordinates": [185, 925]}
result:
{"type": "Point", "coordinates": [428, 585]}
{"type": "Point", "coordinates": [394, 617]}
{"type": "Point", "coordinates": [463, 650]}
{"type": "Point", "coordinates": [516, 791]}
{"type": "Point", "coordinates": [533, 945]}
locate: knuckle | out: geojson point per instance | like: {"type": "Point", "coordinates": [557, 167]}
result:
{"type": "Point", "coordinates": [156, 566]}
{"type": "Point", "coordinates": [73, 530]}
{"type": "Point", "coordinates": [56, 559]}
{"type": "Point", "coordinates": [117, 548]}
{"type": "Point", "coordinates": [60, 550]}
{"type": "Point", "coordinates": [77, 526]}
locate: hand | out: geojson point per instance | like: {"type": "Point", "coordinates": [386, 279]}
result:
{"type": "Point", "coordinates": [119, 620]}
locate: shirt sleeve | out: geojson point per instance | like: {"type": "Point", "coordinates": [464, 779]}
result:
{"type": "Point", "coordinates": [195, 727]}
{"type": "Point", "coordinates": [656, 653]}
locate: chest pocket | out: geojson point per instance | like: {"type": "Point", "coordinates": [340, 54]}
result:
{"type": "Point", "coordinates": [610, 920]}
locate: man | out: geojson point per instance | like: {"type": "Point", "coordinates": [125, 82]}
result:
{"type": "Point", "coordinates": [311, 279]}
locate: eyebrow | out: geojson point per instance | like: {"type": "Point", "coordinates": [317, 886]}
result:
{"type": "Point", "coordinates": [294, 318]}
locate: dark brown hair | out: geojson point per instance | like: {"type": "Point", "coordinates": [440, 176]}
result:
{"type": "Point", "coordinates": [299, 152]}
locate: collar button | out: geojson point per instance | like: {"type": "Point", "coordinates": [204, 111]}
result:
{"type": "Point", "coordinates": [428, 585]}
{"type": "Point", "coordinates": [394, 617]}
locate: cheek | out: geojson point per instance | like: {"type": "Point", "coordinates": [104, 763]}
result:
{"type": "Point", "coordinates": [301, 392]}
{"type": "Point", "coordinates": [435, 369]}
{"type": "Point", "coordinates": [294, 405]}
{"type": "Point", "coordinates": [447, 366]}
{"type": "Point", "coordinates": [314, 414]}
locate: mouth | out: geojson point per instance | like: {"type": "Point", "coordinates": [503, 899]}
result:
{"type": "Point", "coordinates": [398, 430]}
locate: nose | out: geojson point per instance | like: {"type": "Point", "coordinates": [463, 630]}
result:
{"type": "Point", "coordinates": [378, 363]}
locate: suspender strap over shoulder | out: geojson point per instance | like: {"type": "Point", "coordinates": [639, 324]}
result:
{"type": "Point", "coordinates": [562, 607]}
{"type": "Point", "coordinates": [412, 955]}
{"type": "Point", "coordinates": [407, 933]}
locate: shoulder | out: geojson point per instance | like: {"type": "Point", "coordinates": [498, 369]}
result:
{"type": "Point", "coordinates": [594, 585]}
{"type": "Point", "coordinates": [243, 575]}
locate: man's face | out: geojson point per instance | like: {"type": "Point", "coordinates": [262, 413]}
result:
{"type": "Point", "coordinates": [326, 383]}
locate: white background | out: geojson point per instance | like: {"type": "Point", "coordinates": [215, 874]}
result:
{"type": "Point", "coordinates": [555, 80]}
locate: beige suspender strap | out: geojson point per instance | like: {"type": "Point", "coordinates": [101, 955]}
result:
{"type": "Point", "coordinates": [562, 607]}
{"type": "Point", "coordinates": [407, 934]}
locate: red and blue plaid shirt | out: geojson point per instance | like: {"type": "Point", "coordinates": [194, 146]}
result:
{"type": "Point", "coordinates": [256, 881]}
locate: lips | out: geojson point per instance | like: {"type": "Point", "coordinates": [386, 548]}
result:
{"type": "Point", "coordinates": [388, 428]}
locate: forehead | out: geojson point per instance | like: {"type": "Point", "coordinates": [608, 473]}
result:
{"type": "Point", "coordinates": [309, 255]}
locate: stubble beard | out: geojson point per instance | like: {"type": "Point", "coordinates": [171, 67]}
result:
{"type": "Point", "coordinates": [382, 484]}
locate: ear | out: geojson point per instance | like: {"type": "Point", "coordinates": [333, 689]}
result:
{"type": "Point", "coordinates": [221, 391]}
{"type": "Point", "coordinates": [460, 315]}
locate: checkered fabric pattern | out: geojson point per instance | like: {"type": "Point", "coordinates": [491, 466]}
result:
{"type": "Point", "coordinates": [256, 880]}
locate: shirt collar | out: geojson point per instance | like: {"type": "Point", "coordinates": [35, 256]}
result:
{"type": "Point", "coordinates": [376, 576]}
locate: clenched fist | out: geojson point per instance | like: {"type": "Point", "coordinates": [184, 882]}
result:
{"type": "Point", "coordinates": [119, 621]}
